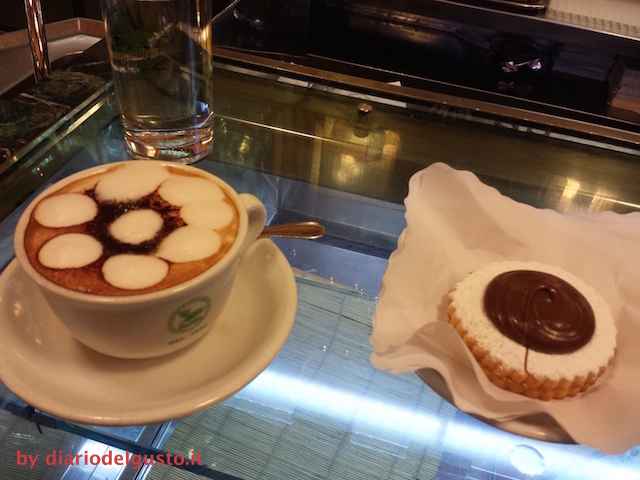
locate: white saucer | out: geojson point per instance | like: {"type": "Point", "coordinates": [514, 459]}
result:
{"type": "Point", "coordinates": [47, 368]}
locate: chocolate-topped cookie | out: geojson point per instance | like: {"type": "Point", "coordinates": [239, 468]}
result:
{"type": "Point", "coordinates": [535, 329]}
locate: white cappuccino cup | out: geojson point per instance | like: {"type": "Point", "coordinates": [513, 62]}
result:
{"type": "Point", "coordinates": [137, 259]}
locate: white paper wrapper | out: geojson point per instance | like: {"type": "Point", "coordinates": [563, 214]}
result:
{"type": "Point", "coordinates": [455, 223]}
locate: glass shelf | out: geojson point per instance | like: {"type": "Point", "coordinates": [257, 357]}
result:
{"type": "Point", "coordinates": [321, 410]}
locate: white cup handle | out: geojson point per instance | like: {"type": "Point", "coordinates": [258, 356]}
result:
{"type": "Point", "coordinates": [257, 216]}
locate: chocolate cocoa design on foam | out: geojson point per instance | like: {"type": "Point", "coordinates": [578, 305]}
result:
{"type": "Point", "coordinates": [131, 229]}
{"type": "Point", "coordinates": [539, 311]}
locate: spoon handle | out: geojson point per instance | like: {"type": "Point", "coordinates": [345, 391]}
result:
{"type": "Point", "coordinates": [308, 230]}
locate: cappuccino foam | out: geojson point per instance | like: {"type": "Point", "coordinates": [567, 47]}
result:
{"type": "Point", "coordinates": [131, 229]}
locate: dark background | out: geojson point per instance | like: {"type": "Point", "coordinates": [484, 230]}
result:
{"type": "Point", "coordinates": [12, 15]}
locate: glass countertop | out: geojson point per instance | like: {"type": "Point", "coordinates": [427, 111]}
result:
{"type": "Point", "coordinates": [320, 409]}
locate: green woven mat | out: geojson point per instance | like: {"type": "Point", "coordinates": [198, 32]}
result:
{"type": "Point", "coordinates": [320, 410]}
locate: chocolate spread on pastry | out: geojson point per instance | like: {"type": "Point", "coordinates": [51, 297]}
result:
{"type": "Point", "coordinates": [539, 311]}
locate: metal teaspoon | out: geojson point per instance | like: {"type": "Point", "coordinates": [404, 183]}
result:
{"type": "Point", "coordinates": [307, 230]}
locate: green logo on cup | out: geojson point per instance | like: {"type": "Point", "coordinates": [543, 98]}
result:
{"type": "Point", "coordinates": [189, 315]}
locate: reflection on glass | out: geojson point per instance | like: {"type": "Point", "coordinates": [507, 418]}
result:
{"type": "Point", "coordinates": [359, 152]}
